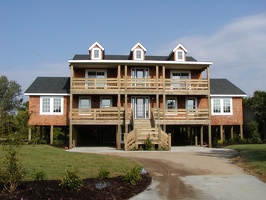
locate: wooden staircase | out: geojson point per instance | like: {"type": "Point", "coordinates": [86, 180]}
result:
{"type": "Point", "coordinates": [142, 129]}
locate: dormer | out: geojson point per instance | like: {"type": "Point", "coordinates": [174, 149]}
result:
{"type": "Point", "coordinates": [179, 53]}
{"type": "Point", "coordinates": [96, 51]}
{"type": "Point", "coordinates": [138, 52]}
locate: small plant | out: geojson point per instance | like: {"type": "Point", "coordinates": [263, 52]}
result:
{"type": "Point", "coordinates": [148, 144]}
{"type": "Point", "coordinates": [39, 175]}
{"type": "Point", "coordinates": [12, 172]}
{"type": "Point", "coordinates": [71, 180]}
{"type": "Point", "coordinates": [220, 142]}
{"type": "Point", "coordinates": [103, 173]}
{"type": "Point", "coordinates": [133, 175]}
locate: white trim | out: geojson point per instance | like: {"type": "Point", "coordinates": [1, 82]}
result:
{"type": "Point", "coordinates": [183, 55]}
{"type": "Point", "coordinates": [106, 97]}
{"type": "Point", "coordinates": [140, 62]}
{"type": "Point", "coordinates": [84, 97]}
{"type": "Point", "coordinates": [180, 71]}
{"type": "Point", "coordinates": [93, 54]}
{"type": "Point", "coordinates": [51, 105]}
{"type": "Point", "coordinates": [135, 54]}
{"type": "Point", "coordinates": [194, 98]}
{"type": "Point", "coordinates": [180, 46]}
{"type": "Point", "coordinates": [222, 106]}
{"type": "Point", "coordinates": [96, 44]}
{"type": "Point", "coordinates": [171, 98]}
{"type": "Point", "coordinates": [95, 70]}
{"type": "Point", "coordinates": [140, 45]}
{"type": "Point", "coordinates": [46, 94]}
{"type": "Point", "coordinates": [228, 95]}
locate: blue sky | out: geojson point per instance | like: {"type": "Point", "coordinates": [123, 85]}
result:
{"type": "Point", "coordinates": [37, 38]}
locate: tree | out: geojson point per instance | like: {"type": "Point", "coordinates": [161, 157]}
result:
{"type": "Point", "coordinates": [10, 102]}
{"type": "Point", "coordinates": [257, 104]}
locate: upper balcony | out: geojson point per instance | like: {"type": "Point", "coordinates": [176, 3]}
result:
{"type": "Point", "coordinates": [139, 86]}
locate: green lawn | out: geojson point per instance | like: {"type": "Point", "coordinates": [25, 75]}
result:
{"type": "Point", "coordinates": [252, 157]}
{"type": "Point", "coordinates": [54, 162]}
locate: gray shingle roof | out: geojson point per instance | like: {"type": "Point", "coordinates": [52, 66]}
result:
{"type": "Point", "coordinates": [126, 57]}
{"type": "Point", "coordinates": [224, 87]}
{"type": "Point", "coordinates": [61, 85]}
{"type": "Point", "coordinates": [58, 85]}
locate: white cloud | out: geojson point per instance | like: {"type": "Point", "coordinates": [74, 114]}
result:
{"type": "Point", "coordinates": [238, 52]}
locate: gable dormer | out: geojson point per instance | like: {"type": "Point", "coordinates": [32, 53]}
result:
{"type": "Point", "coordinates": [179, 53]}
{"type": "Point", "coordinates": [138, 52]}
{"type": "Point", "coordinates": [96, 51]}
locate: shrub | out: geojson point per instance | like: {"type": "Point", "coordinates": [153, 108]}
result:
{"type": "Point", "coordinates": [71, 180]}
{"type": "Point", "coordinates": [12, 172]}
{"type": "Point", "coordinates": [148, 144]}
{"type": "Point", "coordinates": [42, 142]}
{"type": "Point", "coordinates": [133, 175]}
{"type": "Point", "coordinates": [39, 175]}
{"type": "Point", "coordinates": [103, 173]}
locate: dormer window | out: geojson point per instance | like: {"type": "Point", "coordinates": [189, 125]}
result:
{"type": "Point", "coordinates": [138, 54]}
{"type": "Point", "coordinates": [96, 53]}
{"type": "Point", "coordinates": [180, 55]}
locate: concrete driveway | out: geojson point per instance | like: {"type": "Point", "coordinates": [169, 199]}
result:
{"type": "Point", "coordinates": [192, 173]}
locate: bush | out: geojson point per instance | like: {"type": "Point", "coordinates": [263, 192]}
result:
{"type": "Point", "coordinates": [71, 180]}
{"type": "Point", "coordinates": [133, 175]}
{"type": "Point", "coordinates": [148, 144]}
{"type": "Point", "coordinates": [42, 142]}
{"type": "Point", "coordinates": [39, 175]}
{"type": "Point", "coordinates": [12, 172]}
{"type": "Point", "coordinates": [103, 173]}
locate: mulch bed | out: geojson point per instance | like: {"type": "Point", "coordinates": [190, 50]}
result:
{"type": "Point", "coordinates": [49, 189]}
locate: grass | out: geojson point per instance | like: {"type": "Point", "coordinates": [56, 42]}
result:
{"type": "Point", "coordinates": [252, 157]}
{"type": "Point", "coordinates": [54, 162]}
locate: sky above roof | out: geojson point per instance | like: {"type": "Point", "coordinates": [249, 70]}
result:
{"type": "Point", "coordinates": [37, 38]}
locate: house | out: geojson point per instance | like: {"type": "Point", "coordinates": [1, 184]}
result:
{"type": "Point", "coordinates": [121, 100]}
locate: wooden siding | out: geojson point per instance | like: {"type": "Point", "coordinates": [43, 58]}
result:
{"type": "Point", "coordinates": [47, 120]}
{"type": "Point", "coordinates": [235, 119]}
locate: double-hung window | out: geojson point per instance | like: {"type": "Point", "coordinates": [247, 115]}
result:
{"type": "Point", "coordinates": [106, 102]}
{"type": "Point", "coordinates": [171, 103]}
{"type": "Point", "coordinates": [221, 106]}
{"type": "Point", "coordinates": [96, 53]}
{"type": "Point", "coordinates": [51, 105]}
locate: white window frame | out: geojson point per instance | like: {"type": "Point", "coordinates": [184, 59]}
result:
{"type": "Point", "coordinates": [222, 106]}
{"type": "Point", "coordinates": [183, 55]}
{"type": "Point", "coordinates": [141, 54]}
{"type": "Point", "coordinates": [106, 97]}
{"type": "Point", "coordinates": [196, 102]}
{"type": "Point", "coordinates": [171, 98]}
{"type": "Point", "coordinates": [84, 97]}
{"type": "Point", "coordinates": [51, 105]}
{"type": "Point", "coordinates": [93, 54]}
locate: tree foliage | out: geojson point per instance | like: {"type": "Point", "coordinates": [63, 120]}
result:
{"type": "Point", "coordinates": [10, 102]}
{"type": "Point", "coordinates": [257, 104]}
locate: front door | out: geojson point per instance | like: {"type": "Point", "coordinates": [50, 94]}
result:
{"type": "Point", "coordinates": [140, 107]}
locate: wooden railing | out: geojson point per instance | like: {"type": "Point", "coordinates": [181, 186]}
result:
{"type": "Point", "coordinates": [139, 83]}
{"type": "Point", "coordinates": [138, 136]}
{"type": "Point", "coordinates": [181, 114]}
{"type": "Point", "coordinates": [97, 114]}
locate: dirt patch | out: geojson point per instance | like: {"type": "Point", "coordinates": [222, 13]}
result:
{"type": "Point", "coordinates": [49, 189]}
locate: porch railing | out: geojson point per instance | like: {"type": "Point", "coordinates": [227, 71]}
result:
{"type": "Point", "coordinates": [138, 83]}
{"type": "Point", "coordinates": [97, 114]}
{"type": "Point", "coordinates": [181, 114]}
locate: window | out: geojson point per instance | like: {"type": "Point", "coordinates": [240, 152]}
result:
{"type": "Point", "coordinates": [180, 55]}
{"type": "Point", "coordinates": [171, 103]}
{"type": "Point", "coordinates": [138, 54]}
{"type": "Point", "coordinates": [191, 103]}
{"type": "Point", "coordinates": [84, 102]}
{"type": "Point", "coordinates": [96, 53]}
{"type": "Point", "coordinates": [106, 102]}
{"type": "Point", "coordinates": [100, 75]}
{"type": "Point", "coordinates": [51, 105]}
{"type": "Point", "coordinates": [221, 106]}
{"type": "Point", "coordinates": [176, 76]}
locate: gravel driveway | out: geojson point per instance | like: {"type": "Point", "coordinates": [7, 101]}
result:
{"type": "Point", "coordinates": [194, 173]}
